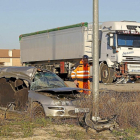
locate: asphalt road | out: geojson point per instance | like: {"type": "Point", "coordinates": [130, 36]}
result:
{"type": "Point", "coordinates": [129, 87]}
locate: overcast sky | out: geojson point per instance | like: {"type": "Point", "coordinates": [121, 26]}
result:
{"type": "Point", "coordinates": [25, 16]}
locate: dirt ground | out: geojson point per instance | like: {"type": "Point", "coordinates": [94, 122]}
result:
{"type": "Point", "coordinates": [58, 132]}
{"type": "Point", "coordinates": [44, 129]}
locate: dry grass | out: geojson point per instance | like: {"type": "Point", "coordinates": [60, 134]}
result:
{"type": "Point", "coordinates": [126, 105]}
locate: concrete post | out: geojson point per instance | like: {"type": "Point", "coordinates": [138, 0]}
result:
{"type": "Point", "coordinates": [95, 55]}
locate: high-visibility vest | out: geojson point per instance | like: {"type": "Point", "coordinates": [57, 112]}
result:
{"type": "Point", "coordinates": [81, 72]}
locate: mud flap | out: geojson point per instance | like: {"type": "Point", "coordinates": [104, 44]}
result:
{"type": "Point", "coordinates": [100, 125]}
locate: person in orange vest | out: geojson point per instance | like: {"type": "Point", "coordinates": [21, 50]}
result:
{"type": "Point", "coordinates": [81, 74]}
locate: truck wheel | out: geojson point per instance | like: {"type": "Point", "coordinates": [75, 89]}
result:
{"type": "Point", "coordinates": [100, 73]}
{"type": "Point", "coordinates": [37, 111]}
{"type": "Point", "coordinates": [107, 74]}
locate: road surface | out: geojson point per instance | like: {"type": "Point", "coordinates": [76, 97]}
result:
{"type": "Point", "coordinates": [129, 87]}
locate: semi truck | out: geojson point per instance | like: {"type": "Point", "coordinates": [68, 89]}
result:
{"type": "Point", "coordinates": [59, 49]}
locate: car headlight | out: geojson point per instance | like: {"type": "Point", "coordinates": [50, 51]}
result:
{"type": "Point", "coordinates": [62, 103]}
{"type": "Point", "coordinates": [57, 102]}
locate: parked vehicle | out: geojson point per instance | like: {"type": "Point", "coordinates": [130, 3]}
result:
{"type": "Point", "coordinates": [40, 91]}
{"type": "Point", "coordinates": [59, 49]}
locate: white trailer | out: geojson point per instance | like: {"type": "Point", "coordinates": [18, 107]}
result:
{"type": "Point", "coordinates": [59, 49]}
{"type": "Point", "coordinates": [56, 49]}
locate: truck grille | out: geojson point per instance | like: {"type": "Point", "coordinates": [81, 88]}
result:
{"type": "Point", "coordinates": [131, 59]}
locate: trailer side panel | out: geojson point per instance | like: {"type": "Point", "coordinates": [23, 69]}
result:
{"type": "Point", "coordinates": [56, 45]}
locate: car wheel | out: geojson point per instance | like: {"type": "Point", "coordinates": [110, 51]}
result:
{"type": "Point", "coordinates": [37, 111]}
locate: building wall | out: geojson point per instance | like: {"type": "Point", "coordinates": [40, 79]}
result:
{"type": "Point", "coordinates": [16, 62]}
{"type": "Point", "coordinates": [5, 60]}
{"type": "Point", "coordinates": [8, 63]}
{"type": "Point", "coordinates": [16, 53]}
{"type": "Point", "coordinates": [10, 57]}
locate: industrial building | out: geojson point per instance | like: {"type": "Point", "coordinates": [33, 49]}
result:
{"type": "Point", "coordinates": [10, 57]}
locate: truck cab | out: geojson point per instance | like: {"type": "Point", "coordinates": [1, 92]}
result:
{"type": "Point", "coordinates": [120, 47]}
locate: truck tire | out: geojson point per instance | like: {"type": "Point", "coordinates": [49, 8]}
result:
{"type": "Point", "coordinates": [107, 74]}
{"type": "Point", "coordinates": [100, 73]}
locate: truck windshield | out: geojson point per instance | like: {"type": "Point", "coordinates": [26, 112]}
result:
{"type": "Point", "coordinates": [129, 40]}
{"type": "Point", "coordinates": [47, 80]}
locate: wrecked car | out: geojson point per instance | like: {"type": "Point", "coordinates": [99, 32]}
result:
{"type": "Point", "coordinates": [40, 91]}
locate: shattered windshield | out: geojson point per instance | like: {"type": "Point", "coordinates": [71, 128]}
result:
{"type": "Point", "coordinates": [129, 40]}
{"type": "Point", "coordinates": [46, 80]}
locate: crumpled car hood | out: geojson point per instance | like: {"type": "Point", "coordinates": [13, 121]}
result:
{"type": "Point", "coordinates": [26, 73]}
{"type": "Point", "coordinates": [63, 92]}
{"type": "Point", "coordinates": [62, 89]}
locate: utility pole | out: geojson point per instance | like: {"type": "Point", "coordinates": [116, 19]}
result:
{"type": "Point", "coordinates": [95, 56]}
